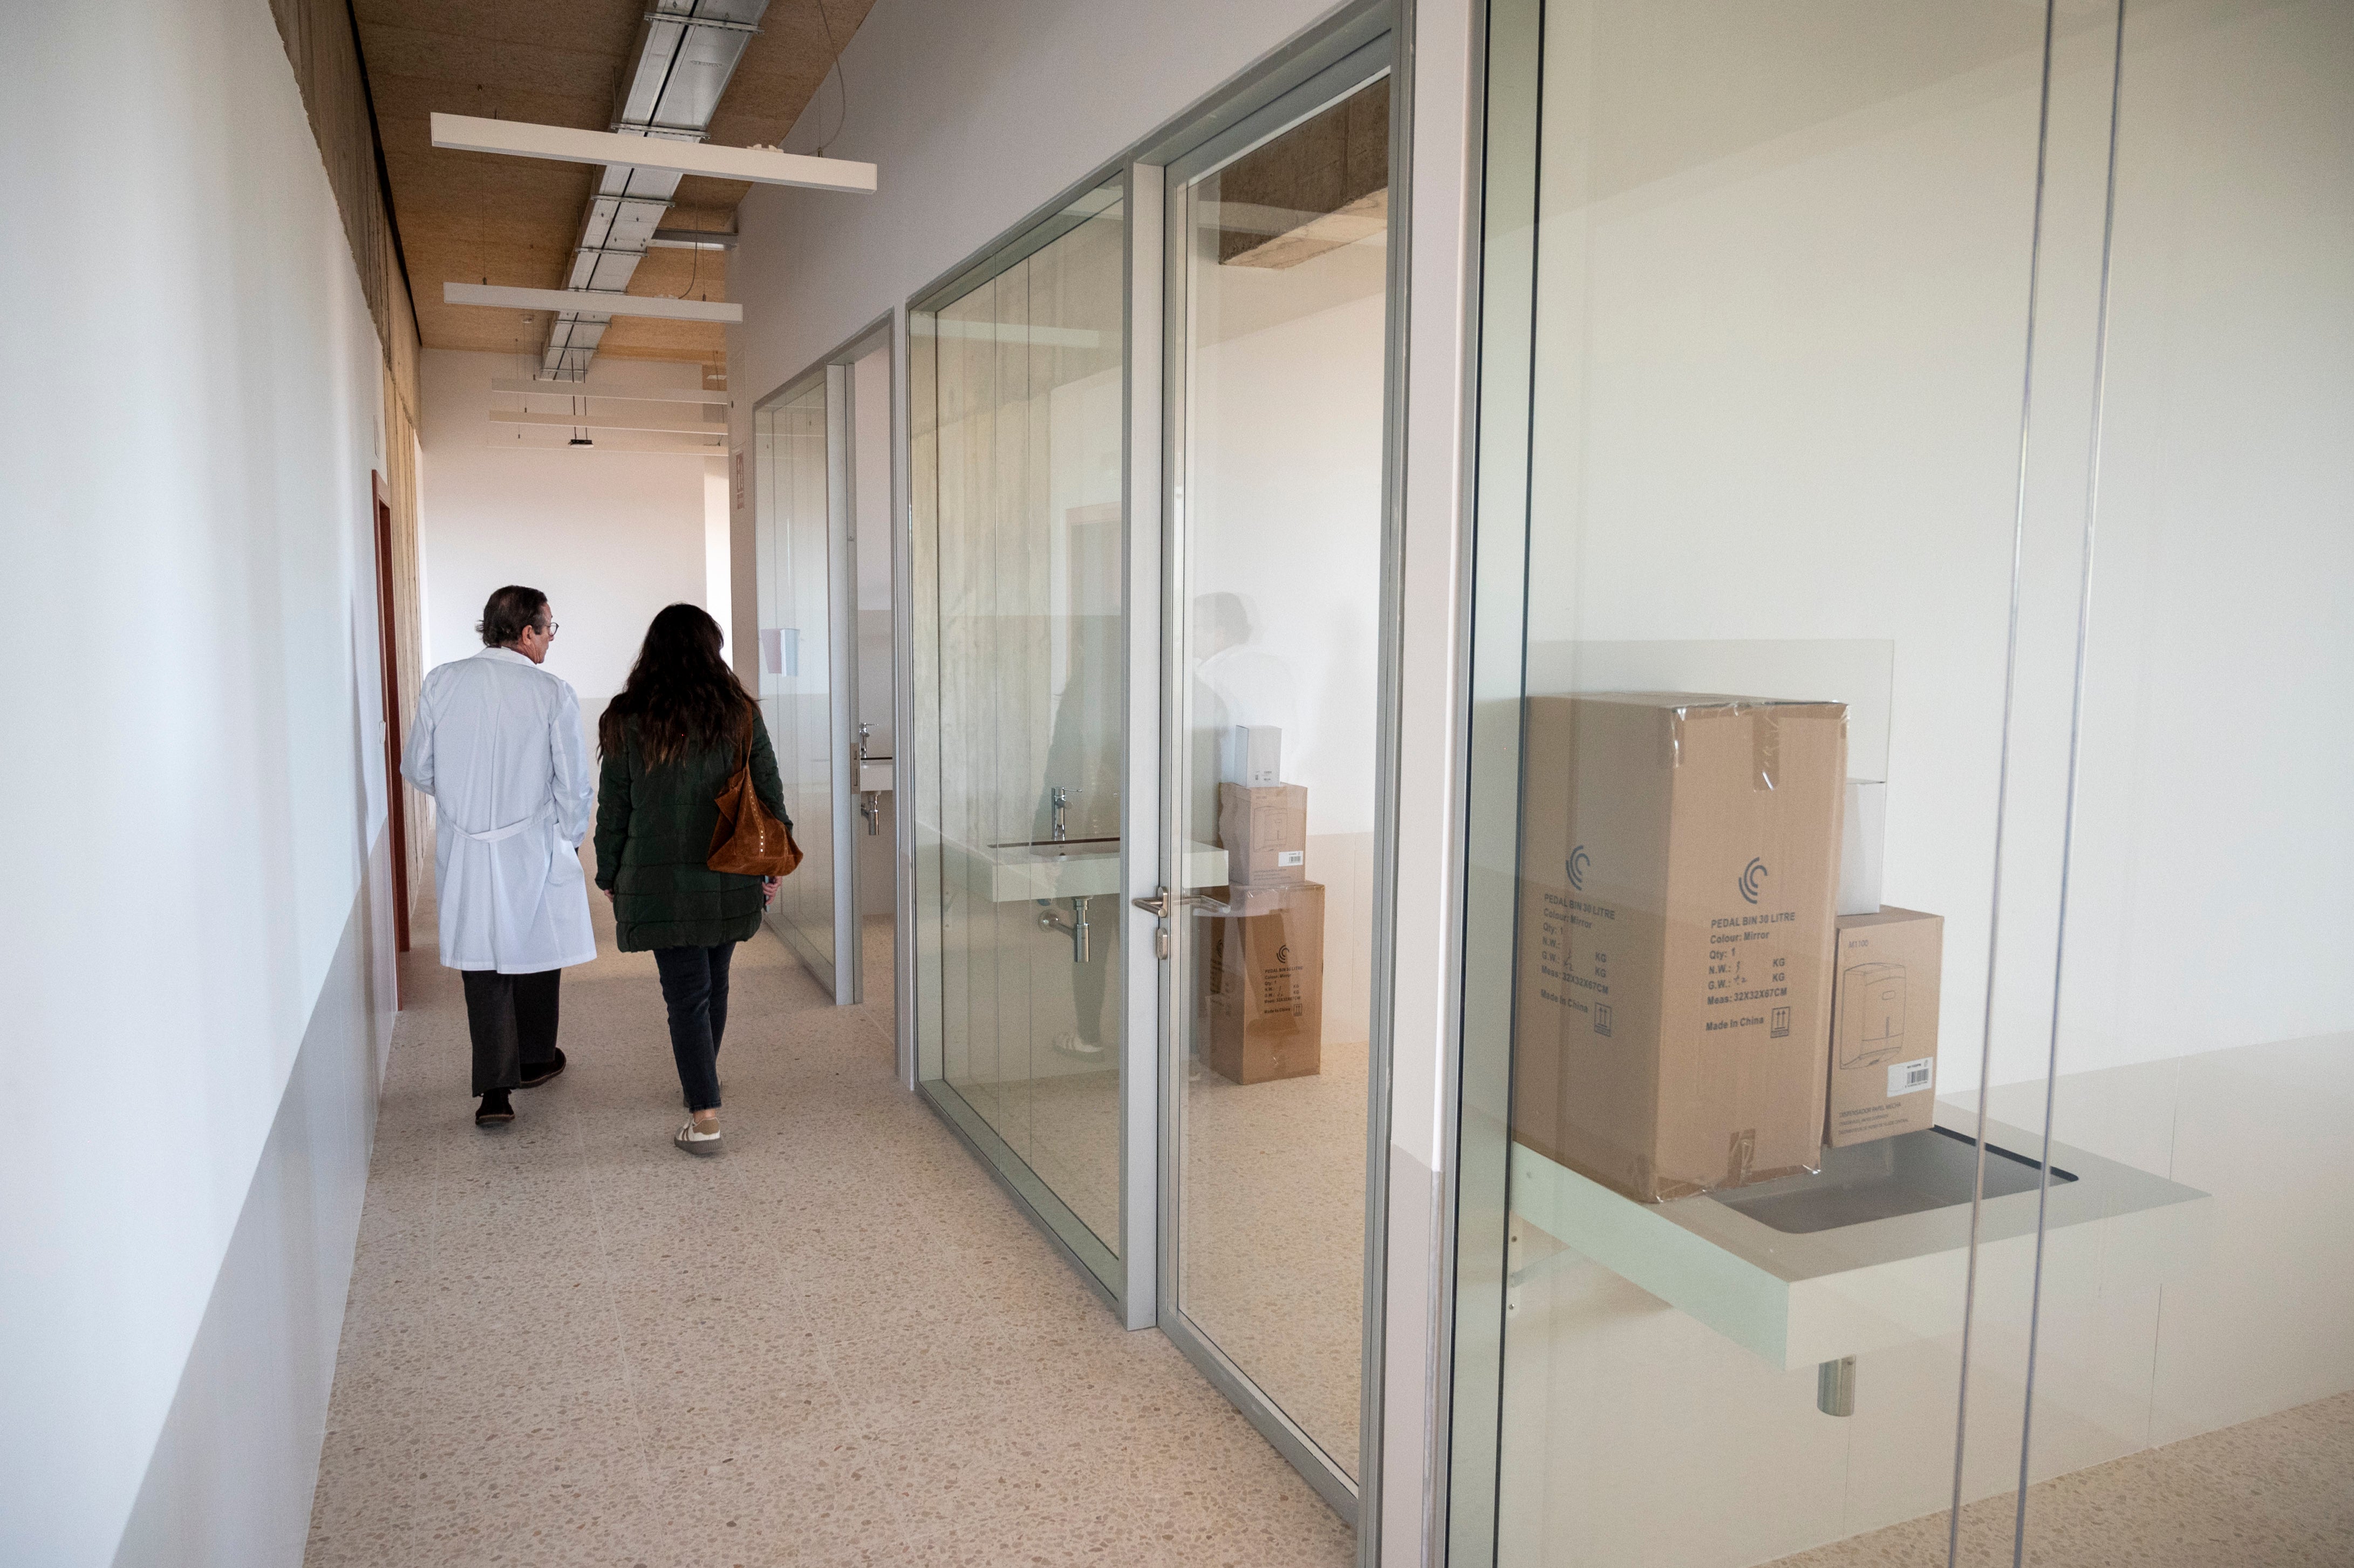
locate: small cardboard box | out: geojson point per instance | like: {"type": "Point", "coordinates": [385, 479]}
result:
{"type": "Point", "coordinates": [1264, 972]}
{"type": "Point", "coordinates": [1883, 1053]}
{"type": "Point", "coordinates": [1254, 756]}
{"type": "Point", "coordinates": [1680, 858]}
{"type": "Point", "coordinates": [1264, 831]}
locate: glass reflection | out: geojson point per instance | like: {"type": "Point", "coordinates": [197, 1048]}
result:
{"type": "Point", "coordinates": [1285, 298]}
{"type": "Point", "coordinates": [1022, 665]}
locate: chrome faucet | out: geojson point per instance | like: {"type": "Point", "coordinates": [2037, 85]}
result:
{"type": "Point", "coordinates": [1062, 799]}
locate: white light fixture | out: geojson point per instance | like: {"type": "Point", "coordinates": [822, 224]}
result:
{"type": "Point", "coordinates": [465, 134]}
{"type": "Point", "coordinates": [601, 390]}
{"type": "Point", "coordinates": [607, 422]}
{"type": "Point", "coordinates": [588, 301]}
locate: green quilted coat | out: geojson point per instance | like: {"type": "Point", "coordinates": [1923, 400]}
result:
{"type": "Point", "coordinates": [654, 835]}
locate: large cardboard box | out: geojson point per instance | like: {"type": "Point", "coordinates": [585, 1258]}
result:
{"type": "Point", "coordinates": [1264, 972]}
{"type": "Point", "coordinates": [1680, 858]}
{"type": "Point", "coordinates": [1883, 1076]}
{"type": "Point", "coordinates": [1264, 831]}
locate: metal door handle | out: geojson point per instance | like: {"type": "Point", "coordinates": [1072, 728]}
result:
{"type": "Point", "coordinates": [1163, 904]}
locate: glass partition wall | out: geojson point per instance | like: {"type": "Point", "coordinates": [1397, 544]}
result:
{"type": "Point", "coordinates": [1903, 1059]}
{"type": "Point", "coordinates": [798, 534]}
{"type": "Point", "coordinates": [1020, 689]}
{"type": "Point", "coordinates": [1148, 561]}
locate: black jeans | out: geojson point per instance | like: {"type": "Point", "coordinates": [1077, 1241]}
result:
{"type": "Point", "coordinates": [513, 1021]}
{"type": "Point", "coordinates": [695, 985]}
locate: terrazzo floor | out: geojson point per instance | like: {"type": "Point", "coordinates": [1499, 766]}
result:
{"type": "Point", "coordinates": [838, 1343]}
{"type": "Point", "coordinates": [2278, 1492]}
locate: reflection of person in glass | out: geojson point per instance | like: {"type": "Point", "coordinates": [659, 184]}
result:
{"type": "Point", "coordinates": [1235, 683]}
{"type": "Point", "coordinates": [1078, 801]}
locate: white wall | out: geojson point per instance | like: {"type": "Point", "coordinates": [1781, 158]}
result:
{"type": "Point", "coordinates": [610, 536]}
{"type": "Point", "coordinates": [973, 115]}
{"type": "Point", "coordinates": [188, 415]}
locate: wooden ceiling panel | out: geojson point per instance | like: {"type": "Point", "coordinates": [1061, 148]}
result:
{"type": "Point", "coordinates": [473, 217]}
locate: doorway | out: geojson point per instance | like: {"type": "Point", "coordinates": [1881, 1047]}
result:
{"type": "Point", "coordinates": [1277, 308]}
{"type": "Point", "coordinates": [826, 564]}
{"type": "Point", "coordinates": [1145, 760]}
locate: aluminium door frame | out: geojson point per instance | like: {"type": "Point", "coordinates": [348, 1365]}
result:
{"type": "Point", "coordinates": [1359, 50]}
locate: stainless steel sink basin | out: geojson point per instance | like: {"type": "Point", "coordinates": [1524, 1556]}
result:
{"type": "Point", "coordinates": [1911, 1174]}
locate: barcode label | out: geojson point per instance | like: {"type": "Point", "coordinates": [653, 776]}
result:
{"type": "Point", "coordinates": [1906, 1077]}
{"type": "Point", "coordinates": [1290, 857]}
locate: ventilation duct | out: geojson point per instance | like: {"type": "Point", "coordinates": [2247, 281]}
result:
{"type": "Point", "coordinates": [686, 52]}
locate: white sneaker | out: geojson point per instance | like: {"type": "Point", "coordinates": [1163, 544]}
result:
{"type": "Point", "coordinates": [695, 1142]}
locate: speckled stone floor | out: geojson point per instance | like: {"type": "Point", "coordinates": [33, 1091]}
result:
{"type": "Point", "coordinates": [2272, 1493]}
{"type": "Point", "coordinates": [838, 1343]}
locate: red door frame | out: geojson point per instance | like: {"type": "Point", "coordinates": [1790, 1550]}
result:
{"type": "Point", "coordinates": [388, 643]}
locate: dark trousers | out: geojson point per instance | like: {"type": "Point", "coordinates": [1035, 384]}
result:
{"type": "Point", "coordinates": [513, 1021]}
{"type": "Point", "coordinates": [695, 986]}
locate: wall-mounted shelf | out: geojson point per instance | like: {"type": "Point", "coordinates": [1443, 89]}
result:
{"type": "Point", "coordinates": [1870, 1252]}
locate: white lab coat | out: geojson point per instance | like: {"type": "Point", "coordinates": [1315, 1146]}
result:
{"type": "Point", "coordinates": [497, 745]}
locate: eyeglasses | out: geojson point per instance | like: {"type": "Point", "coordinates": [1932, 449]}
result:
{"type": "Point", "coordinates": [552, 628]}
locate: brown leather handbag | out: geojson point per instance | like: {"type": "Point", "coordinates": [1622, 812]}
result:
{"type": "Point", "coordinates": [749, 839]}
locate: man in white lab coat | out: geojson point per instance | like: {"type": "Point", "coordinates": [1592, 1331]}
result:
{"type": "Point", "coordinates": [497, 744]}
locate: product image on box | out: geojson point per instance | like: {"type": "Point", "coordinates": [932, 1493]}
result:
{"type": "Point", "coordinates": [1883, 1076]}
{"type": "Point", "coordinates": [1678, 868]}
{"type": "Point", "coordinates": [1871, 1013]}
{"type": "Point", "coordinates": [1264, 830]}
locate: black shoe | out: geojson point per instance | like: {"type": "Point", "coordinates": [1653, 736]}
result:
{"type": "Point", "coordinates": [496, 1110]}
{"type": "Point", "coordinates": [538, 1072]}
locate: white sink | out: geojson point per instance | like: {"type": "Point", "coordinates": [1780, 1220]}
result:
{"type": "Point", "coordinates": [1012, 873]}
{"type": "Point", "coordinates": [874, 774]}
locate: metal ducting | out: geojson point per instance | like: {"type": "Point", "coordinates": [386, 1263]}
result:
{"type": "Point", "coordinates": [686, 52]}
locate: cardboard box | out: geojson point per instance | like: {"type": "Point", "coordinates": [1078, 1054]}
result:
{"type": "Point", "coordinates": [1883, 1072]}
{"type": "Point", "coordinates": [1264, 831]}
{"type": "Point", "coordinates": [1264, 972]}
{"type": "Point", "coordinates": [1680, 857]}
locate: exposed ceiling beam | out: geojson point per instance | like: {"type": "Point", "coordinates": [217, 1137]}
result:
{"type": "Point", "coordinates": [466, 133]}
{"type": "Point", "coordinates": [594, 389]}
{"type": "Point", "coordinates": [588, 301]}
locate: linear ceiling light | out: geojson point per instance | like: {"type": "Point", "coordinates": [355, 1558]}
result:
{"type": "Point", "coordinates": [601, 390]}
{"type": "Point", "coordinates": [589, 301]}
{"type": "Point", "coordinates": [465, 134]}
{"type": "Point", "coordinates": [607, 422]}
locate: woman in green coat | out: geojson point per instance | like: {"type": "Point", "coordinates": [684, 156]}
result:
{"type": "Point", "coordinates": [670, 741]}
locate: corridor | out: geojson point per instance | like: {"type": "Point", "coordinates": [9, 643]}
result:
{"type": "Point", "coordinates": [837, 1344]}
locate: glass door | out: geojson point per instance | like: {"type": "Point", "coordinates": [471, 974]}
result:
{"type": "Point", "coordinates": [1278, 310]}
{"type": "Point", "coordinates": [1018, 770]}
{"type": "Point", "coordinates": [799, 442]}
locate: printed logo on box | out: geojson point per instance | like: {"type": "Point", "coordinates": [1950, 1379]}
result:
{"type": "Point", "coordinates": [1578, 861]}
{"type": "Point", "coordinates": [1752, 879]}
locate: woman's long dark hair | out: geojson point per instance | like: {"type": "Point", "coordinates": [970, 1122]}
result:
{"type": "Point", "coordinates": [681, 695]}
